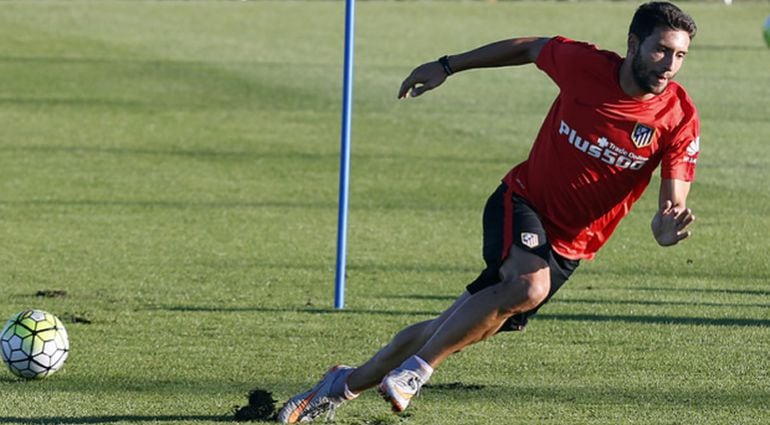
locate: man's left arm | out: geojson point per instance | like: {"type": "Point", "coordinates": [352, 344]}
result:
{"type": "Point", "coordinates": [669, 224]}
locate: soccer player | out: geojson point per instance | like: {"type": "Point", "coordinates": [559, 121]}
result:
{"type": "Point", "coordinates": [615, 120]}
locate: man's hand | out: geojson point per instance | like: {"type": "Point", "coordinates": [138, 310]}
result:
{"type": "Point", "coordinates": [423, 78]}
{"type": "Point", "coordinates": [669, 225]}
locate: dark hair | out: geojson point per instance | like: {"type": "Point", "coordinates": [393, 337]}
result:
{"type": "Point", "coordinates": [660, 14]}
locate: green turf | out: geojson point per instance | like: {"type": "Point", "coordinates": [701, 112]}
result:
{"type": "Point", "coordinates": [173, 166]}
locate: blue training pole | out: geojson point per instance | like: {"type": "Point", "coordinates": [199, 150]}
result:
{"type": "Point", "coordinates": [347, 106]}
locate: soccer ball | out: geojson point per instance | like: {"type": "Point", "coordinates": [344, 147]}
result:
{"type": "Point", "coordinates": [34, 344]}
{"type": "Point", "coordinates": [766, 31]}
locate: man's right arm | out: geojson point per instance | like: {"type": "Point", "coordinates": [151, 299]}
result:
{"type": "Point", "coordinates": [516, 51]}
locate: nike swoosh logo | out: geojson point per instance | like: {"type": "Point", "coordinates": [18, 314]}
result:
{"type": "Point", "coordinates": [403, 394]}
{"type": "Point", "coordinates": [296, 413]}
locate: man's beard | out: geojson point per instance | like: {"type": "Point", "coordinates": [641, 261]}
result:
{"type": "Point", "coordinates": [641, 75]}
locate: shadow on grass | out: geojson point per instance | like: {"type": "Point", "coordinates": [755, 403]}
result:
{"type": "Point", "coordinates": [598, 318]}
{"type": "Point", "coordinates": [239, 155]}
{"type": "Point", "coordinates": [114, 418]}
{"type": "Point", "coordinates": [234, 155]}
{"type": "Point", "coordinates": [657, 303]}
{"type": "Point", "coordinates": [225, 204]}
{"type": "Point", "coordinates": [655, 320]}
{"type": "Point", "coordinates": [447, 298]}
{"type": "Point", "coordinates": [308, 310]}
{"type": "Point", "coordinates": [69, 101]}
{"type": "Point", "coordinates": [556, 300]}
{"type": "Point", "coordinates": [758, 292]}
{"type": "Point", "coordinates": [685, 273]}
{"type": "Point", "coordinates": [598, 395]}
{"type": "Point", "coordinates": [170, 204]}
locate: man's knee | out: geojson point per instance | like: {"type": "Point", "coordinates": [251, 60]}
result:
{"type": "Point", "coordinates": [525, 292]}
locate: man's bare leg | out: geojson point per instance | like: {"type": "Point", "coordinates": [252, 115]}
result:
{"type": "Point", "coordinates": [472, 318]}
{"type": "Point", "coordinates": [480, 317]}
{"type": "Point", "coordinates": [405, 344]}
{"type": "Point", "coordinates": [525, 283]}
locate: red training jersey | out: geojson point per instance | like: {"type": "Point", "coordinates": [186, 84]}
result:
{"type": "Point", "coordinates": [597, 148]}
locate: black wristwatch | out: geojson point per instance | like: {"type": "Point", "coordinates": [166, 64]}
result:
{"type": "Point", "coordinates": [444, 61]}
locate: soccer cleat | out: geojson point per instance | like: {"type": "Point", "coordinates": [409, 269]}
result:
{"type": "Point", "coordinates": [398, 387]}
{"type": "Point", "coordinates": [317, 401]}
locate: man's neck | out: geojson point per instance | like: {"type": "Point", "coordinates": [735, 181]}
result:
{"type": "Point", "coordinates": [628, 85]}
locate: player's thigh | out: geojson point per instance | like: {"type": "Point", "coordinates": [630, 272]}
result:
{"type": "Point", "coordinates": [524, 265]}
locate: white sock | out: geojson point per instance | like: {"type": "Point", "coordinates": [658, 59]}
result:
{"type": "Point", "coordinates": [419, 366]}
{"type": "Point", "coordinates": [340, 386]}
{"type": "Point", "coordinates": [350, 395]}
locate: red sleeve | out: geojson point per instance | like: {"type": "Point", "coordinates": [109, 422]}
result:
{"type": "Point", "coordinates": [560, 56]}
{"type": "Point", "coordinates": [679, 159]}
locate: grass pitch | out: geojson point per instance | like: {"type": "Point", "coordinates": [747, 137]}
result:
{"type": "Point", "coordinates": [172, 167]}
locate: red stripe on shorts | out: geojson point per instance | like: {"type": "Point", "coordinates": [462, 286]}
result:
{"type": "Point", "coordinates": [507, 224]}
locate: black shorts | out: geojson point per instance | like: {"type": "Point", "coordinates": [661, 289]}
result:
{"type": "Point", "coordinates": [510, 220]}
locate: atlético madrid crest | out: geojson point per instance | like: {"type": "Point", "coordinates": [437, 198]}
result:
{"type": "Point", "coordinates": [642, 135]}
{"type": "Point", "coordinates": [530, 239]}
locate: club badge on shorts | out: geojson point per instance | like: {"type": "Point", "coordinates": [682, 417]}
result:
{"type": "Point", "coordinates": [642, 135]}
{"type": "Point", "coordinates": [530, 240]}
